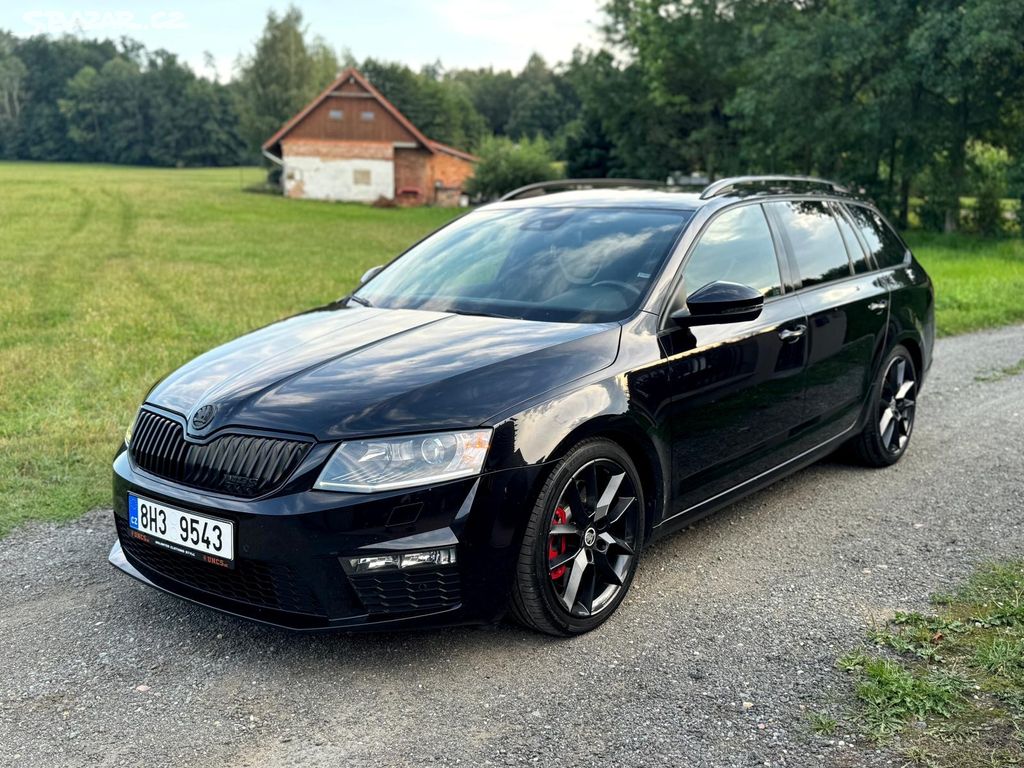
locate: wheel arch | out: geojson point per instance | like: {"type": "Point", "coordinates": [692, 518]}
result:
{"type": "Point", "coordinates": [913, 346]}
{"type": "Point", "coordinates": [650, 462]}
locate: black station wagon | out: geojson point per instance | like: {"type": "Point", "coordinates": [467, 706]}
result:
{"type": "Point", "coordinates": [503, 417]}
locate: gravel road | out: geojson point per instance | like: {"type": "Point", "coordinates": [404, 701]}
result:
{"type": "Point", "coordinates": [728, 637]}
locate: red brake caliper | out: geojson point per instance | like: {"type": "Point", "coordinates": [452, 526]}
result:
{"type": "Point", "coordinates": [558, 544]}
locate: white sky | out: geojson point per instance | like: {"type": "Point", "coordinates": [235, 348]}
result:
{"type": "Point", "coordinates": [461, 33]}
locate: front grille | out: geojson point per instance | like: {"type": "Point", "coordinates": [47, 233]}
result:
{"type": "Point", "coordinates": [408, 591]}
{"type": "Point", "coordinates": [246, 466]}
{"type": "Point", "coordinates": [266, 585]}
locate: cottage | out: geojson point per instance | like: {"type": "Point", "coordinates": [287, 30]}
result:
{"type": "Point", "coordinates": [351, 143]}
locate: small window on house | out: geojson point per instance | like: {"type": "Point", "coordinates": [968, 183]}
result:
{"type": "Point", "coordinates": [336, 114]}
{"type": "Point", "coordinates": [367, 116]}
{"type": "Point", "coordinates": [361, 177]}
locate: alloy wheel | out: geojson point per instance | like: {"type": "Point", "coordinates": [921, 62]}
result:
{"type": "Point", "coordinates": [593, 538]}
{"type": "Point", "coordinates": [896, 405]}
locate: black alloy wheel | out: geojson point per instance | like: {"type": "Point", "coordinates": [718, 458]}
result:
{"type": "Point", "coordinates": [891, 420]}
{"type": "Point", "coordinates": [583, 541]}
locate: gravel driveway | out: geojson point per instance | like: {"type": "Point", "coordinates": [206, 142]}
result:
{"type": "Point", "coordinates": [728, 637]}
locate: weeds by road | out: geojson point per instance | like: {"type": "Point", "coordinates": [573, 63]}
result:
{"type": "Point", "coordinates": [947, 688]}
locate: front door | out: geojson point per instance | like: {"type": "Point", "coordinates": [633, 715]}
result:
{"type": "Point", "coordinates": [737, 388]}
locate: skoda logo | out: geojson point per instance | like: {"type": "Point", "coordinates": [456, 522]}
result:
{"type": "Point", "coordinates": [202, 417]}
{"type": "Point", "coordinates": [590, 537]}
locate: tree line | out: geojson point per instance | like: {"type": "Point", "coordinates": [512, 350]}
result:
{"type": "Point", "coordinates": [908, 100]}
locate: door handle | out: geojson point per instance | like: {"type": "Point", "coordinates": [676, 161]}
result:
{"type": "Point", "coordinates": [792, 334]}
{"type": "Point", "coordinates": [878, 306]}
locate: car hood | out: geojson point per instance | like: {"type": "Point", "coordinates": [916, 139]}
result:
{"type": "Point", "coordinates": [340, 372]}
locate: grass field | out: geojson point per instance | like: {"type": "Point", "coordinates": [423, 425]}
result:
{"type": "Point", "coordinates": [978, 283]}
{"type": "Point", "coordinates": [111, 277]}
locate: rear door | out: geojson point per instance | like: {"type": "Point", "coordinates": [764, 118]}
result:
{"type": "Point", "coordinates": [847, 308]}
{"type": "Point", "coordinates": [737, 388]}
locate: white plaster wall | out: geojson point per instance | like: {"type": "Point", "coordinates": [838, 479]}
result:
{"type": "Point", "coordinates": [316, 178]}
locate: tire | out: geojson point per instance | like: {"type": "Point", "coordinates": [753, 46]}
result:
{"type": "Point", "coordinates": [582, 543]}
{"type": "Point", "coordinates": [891, 411]}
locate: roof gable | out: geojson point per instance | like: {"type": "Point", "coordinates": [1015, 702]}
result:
{"type": "Point", "coordinates": [350, 75]}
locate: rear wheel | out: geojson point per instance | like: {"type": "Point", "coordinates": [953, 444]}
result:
{"type": "Point", "coordinates": [893, 405]}
{"type": "Point", "coordinates": [582, 543]}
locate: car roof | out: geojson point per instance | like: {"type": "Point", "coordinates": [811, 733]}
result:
{"type": "Point", "coordinates": [607, 198]}
{"type": "Point", "coordinates": [633, 193]}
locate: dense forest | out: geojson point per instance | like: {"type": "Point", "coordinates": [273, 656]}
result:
{"type": "Point", "coordinates": [907, 99]}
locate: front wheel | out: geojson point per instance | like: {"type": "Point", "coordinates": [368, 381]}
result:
{"type": "Point", "coordinates": [892, 408]}
{"type": "Point", "coordinates": [582, 543]}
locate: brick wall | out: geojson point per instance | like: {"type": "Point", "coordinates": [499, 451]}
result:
{"type": "Point", "coordinates": [337, 150]}
{"type": "Point", "coordinates": [412, 171]}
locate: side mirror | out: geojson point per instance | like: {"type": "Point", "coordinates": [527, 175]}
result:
{"type": "Point", "coordinates": [371, 273]}
{"type": "Point", "coordinates": [720, 302]}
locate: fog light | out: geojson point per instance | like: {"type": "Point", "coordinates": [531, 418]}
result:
{"type": "Point", "coordinates": [381, 563]}
{"type": "Point", "coordinates": [444, 556]}
{"type": "Point", "coordinates": [429, 557]}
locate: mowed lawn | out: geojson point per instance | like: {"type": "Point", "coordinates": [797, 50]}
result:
{"type": "Point", "coordinates": [111, 277]}
{"type": "Point", "coordinates": [979, 283]}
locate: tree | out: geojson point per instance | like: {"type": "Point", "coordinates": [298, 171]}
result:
{"type": "Point", "coordinates": [279, 79]}
{"type": "Point", "coordinates": [12, 77]}
{"type": "Point", "coordinates": [505, 165]}
{"type": "Point", "coordinates": [542, 102]}
{"type": "Point", "coordinates": [617, 114]}
{"type": "Point", "coordinates": [491, 93]}
{"type": "Point", "coordinates": [686, 67]}
{"type": "Point", "coordinates": [439, 107]}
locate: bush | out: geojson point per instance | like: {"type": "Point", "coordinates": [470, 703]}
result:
{"type": "Point", "coordinates": [505, 165]}
{"type": "Point", "coordinates": [988, 168]}
{"type": "Point", "coordinates": [936, 196]}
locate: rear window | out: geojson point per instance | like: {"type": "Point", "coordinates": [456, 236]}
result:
{"type": "Point", "coordinates": [883, 244]}
{"type": "Point", "coordinates": [853, 244]}
{"type": "Point", "coordinates": [814, 236]}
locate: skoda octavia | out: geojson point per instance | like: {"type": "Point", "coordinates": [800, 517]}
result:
{"type": "Point", "coordinates": [501, 418]}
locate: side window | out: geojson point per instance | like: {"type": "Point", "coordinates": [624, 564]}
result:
{"type": "Point", "coordinates": [884, 244]}
{"type": "Point", "coordinates": [736, 247]}
{"type": "Point", "coordinates": [814, 236]}
{"type": "Point", "coordinates": [853, 245]}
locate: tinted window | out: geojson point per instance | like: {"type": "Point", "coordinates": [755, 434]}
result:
{"type": "Point", "coordinates": [559, 264]}
{"type": "Point", "coordinates": [814, 235]}
{"type": "Point", "coordinates": [853, 246]}
{"type": "Point", "coordinates": [736, 247]}
{"type": "Point", "coordinates": [888, 250]}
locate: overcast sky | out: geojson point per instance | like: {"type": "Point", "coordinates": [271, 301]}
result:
{"type": "Point", "coordinates": [461, 33]}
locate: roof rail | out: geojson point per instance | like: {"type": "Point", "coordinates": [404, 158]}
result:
{"type": "Point", "coordinates": [559, 185]}
{"type": "Point", "coordinates": [778, 183]}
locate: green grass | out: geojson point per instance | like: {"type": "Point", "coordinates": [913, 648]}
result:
{"type": "Point", "coordinates": [111, 277]}
{"type": "Point", "coordinates": [979, 283]}
{"type": "Point", "coordinates": [947, 689]}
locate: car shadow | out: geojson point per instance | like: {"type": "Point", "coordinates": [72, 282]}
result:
{"type": "Point", "coordinates": [697, 546]}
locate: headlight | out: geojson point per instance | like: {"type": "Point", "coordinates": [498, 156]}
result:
{"type": "Point", "coordinates": [131, 428]}
{"type": "Point", "coordinates": [382, 464]}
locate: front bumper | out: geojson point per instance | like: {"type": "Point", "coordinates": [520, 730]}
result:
{"type": "Point", "coordinates": [290, 546]}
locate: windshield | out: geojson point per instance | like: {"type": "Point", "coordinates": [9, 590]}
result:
{"type": "Point", "coordinates": [579, 265]}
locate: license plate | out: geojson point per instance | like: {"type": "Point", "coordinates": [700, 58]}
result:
{"type": "Point", "coordinates": [199, 536]}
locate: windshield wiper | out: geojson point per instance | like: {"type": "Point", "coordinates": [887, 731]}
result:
{"type": "Point", "coordinates": [359, 300]}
